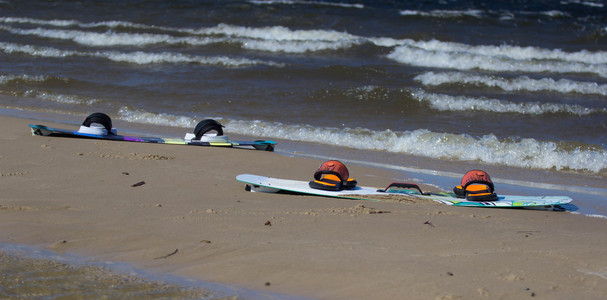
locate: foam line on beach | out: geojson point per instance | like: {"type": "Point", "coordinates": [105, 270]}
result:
{"type": "Point", "coordinates": [513, 151]}
{"type": "Point", "coordinates": [592, 216]}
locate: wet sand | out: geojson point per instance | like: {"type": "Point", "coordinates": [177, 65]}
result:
{"type": "Point", "coordinates": [40, 278]}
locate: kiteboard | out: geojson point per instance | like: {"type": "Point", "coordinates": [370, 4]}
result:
{"type": "Point", "coordinates": [394, 192]}
{"type": "Point", "coordinates": [98, 126]}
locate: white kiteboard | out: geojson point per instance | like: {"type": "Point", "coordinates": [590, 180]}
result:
{"type": "Point", "coordinates": [256, 183]}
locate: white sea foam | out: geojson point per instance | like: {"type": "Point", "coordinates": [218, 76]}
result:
{"type": "Point", "coordinates": [504, 15]}
{"type": "Point", "coordinates": [60, 23]}
{"type": "Point", "coordinates": [463, 103]}
{"type": "Point", "coordinates": [7, 78]}
{"type": "Point", "coordinates": [140, 57]}
{"type": "Point", "coordinates": [511, 52]}
{"type": "Point", "coordinates": [554, 13]}
{"type": "Point", "coordinates": [60, 98]}
{"type": "Point", "coordinates": [586, 3]}
{"type": "Point", "coordinates": [526, 153]}
{"type": "Point", "coordinates": [137, 57]}
{"type": "Point", "coordinates": [517, 152]}
{"type": "Point", "coordinates": [112, 38]}
{"type": "Point", "coordinates": [522, 83]}
{"type": "Point", "coordinates": [471, 57]}
{"type": "Point", "coordinates": [35, 50]}
{"type": "Point", "coordinates": [144, 117]}
{"type": "Point", "coordinates": [295, 46]}
{"type": "Point", "coordinates": [444, 13]}
{"type": "Point", "coordinates": [70, 23]}
{"type": "Point", "coordinates": [593, 216]}
{"type": "Point", "coordinates": [279, 33]}
{"type": "Point", "coordinates": [282, 39]}
{"type": "Point", "coordinates": [111, 25]}
{"type": "Point", "coordinates": [320, 3]}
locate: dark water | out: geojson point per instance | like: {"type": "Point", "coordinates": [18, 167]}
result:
{"type": "Point", "coordinates": [432, 88]}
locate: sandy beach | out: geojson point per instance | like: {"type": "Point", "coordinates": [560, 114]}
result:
{"type": "Point", "coordinates": [82, 197]}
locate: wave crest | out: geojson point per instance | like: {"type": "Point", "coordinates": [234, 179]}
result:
{"type": "Point", "coordinates": [463, 103]}
{"type": "Point", "coordinates": [513, 84]}
{"type": "Point", "coordinates": [137, 57]}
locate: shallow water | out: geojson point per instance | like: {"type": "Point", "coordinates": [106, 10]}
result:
{"type": "Point", "coordinates": [32, 273]}
{"type": "Point", "coordinates": [39, 278]}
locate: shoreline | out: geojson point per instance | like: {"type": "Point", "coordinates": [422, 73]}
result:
{"type": "Point", "coordinates": [76, 196]}
{"type": "Point", "coordinates": [72, 276]}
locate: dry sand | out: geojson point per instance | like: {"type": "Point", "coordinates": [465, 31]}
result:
{"type": "Point", "coordinates": [77, 196]}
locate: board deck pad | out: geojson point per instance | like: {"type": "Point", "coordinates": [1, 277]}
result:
{"type": "Point", "coordinates": [258, 183]}
{"type": "Point", "coordinates": [50, 131]}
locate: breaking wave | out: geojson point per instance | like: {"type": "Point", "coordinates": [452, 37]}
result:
{"type": "Point", "coordinates": [69, 23]}
{"type": "Point", "coordinates": [321, 3]}
{"type": "Point", "coordinates": [484, 14]}
{"type": "Point", "coordinates": [137, 57]}
{"type": "Point", "coordinates": [112, 38]}
{"type": "Point", "coordinates": [585, 3]}
{"type": "Point", "coordinates": [444, 13]}
{"type": "Point", "coordinates": [60, 98]}
{"type": "Point", "coordinates": [516, 152]}
{"type": "Point", "coordinates": [26, 78]}
{"type": "Point", "coordinates": [507, 51]}
{"type": "Point", "coordinates": [464, 103]}
{"type": "Point", "coordinates": [522, 83]}
{"type": "Point", "coordinates": [499, 58]}
{"type": "Point", "coordinates": [162, 119]}
{"type": "Point", "coordinates": [282, 39]}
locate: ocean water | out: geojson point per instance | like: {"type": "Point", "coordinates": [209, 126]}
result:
{"type": "Point", "coordinates": [429, 88]}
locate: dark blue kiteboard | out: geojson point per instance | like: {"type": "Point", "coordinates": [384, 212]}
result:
{"type": "Point", "coordinates": [98, 126]}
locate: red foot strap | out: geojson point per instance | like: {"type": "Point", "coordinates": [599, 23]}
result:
{"type": "Point", "coordinates": [477, 176]}
{"type": "Point", "coordinates": [334, 167]}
